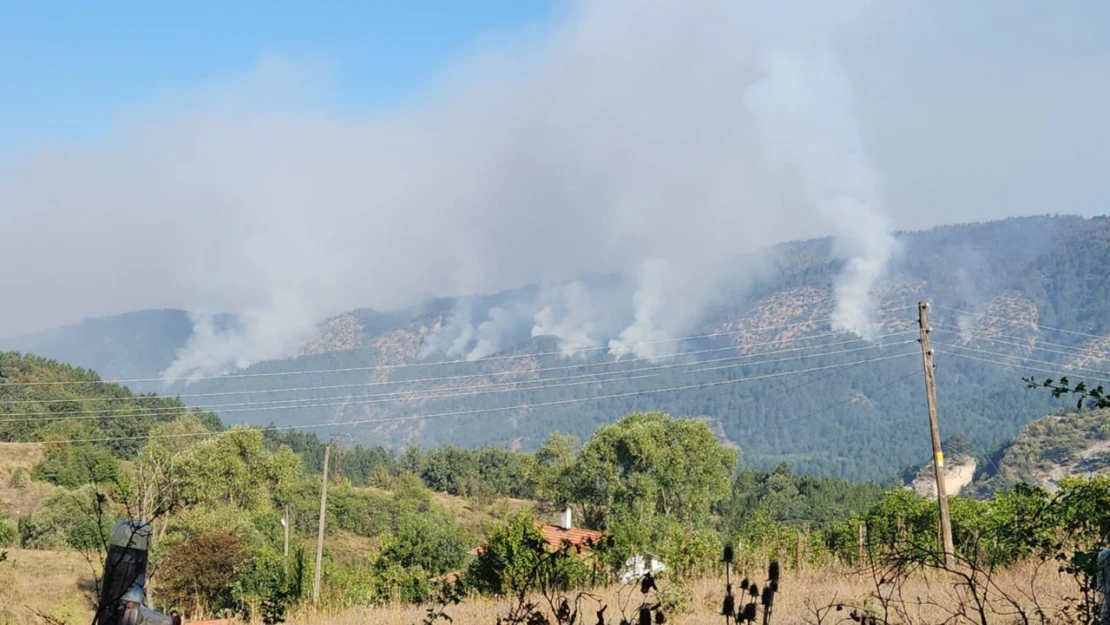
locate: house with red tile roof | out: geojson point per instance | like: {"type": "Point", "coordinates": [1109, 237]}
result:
{"type": "Point", "coordinates": [556, 537]}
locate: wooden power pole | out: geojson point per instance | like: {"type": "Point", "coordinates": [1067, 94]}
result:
{"type": "Point", "coordinates": [938, 454]}
{"type": "Point", "coordinates": [285, 523]}
{"type": "Point", "coordinates": [320, 535]}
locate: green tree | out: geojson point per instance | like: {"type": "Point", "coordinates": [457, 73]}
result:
{"type": "Point", "coordinates": [796, 500]}
{"type": "Point", "coordinates": [161, 464]}
{"type": "Point", "coordinates": [651, 463]}
{"type": "Point", "coordinates": [236, 469]}
{"type": "Point", "coordinates": [509, 561]}
{"type": "Point", "coordinates": [428, 541]}
{"type": "Point", "coordinates": [72, 465]}
{"type": "Point", "coordinates": [552, 469]}
{"type": "Point", "coordinates": [78, 519]}
{"type": "Point", "coordinates": [9, 531]}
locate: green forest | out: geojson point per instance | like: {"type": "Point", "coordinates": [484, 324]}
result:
{"type": "Point", "coordinates": [650, 482]}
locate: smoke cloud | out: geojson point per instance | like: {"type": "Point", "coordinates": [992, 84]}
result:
{"type": "Point", "coordinates": [805, 110]}
{"type": "Point", "coordinates": [581, 318]}
{"type": "Point", "coordinates": [654, 140]}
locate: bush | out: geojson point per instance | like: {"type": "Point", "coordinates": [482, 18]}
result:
{"type": "Point", "coordinates": [346, 585]}
{"type": "Point", "coordinates": [509, 559]}
{"type": "Point", "coordinates": [266, 588]}
{"type": "Point", "coordinates": [19, 478]}
{"type": "Point", "coordinates": [430, 542]}
{"type": "Point", "coordinates": [688, 552]}
{"type": "Point", "coordinates": [676, 598]}
{"type": "Point", "coordinates": [201, 571]}
{"type": "Point", "coordinates": [74, 465]}
{"type": "Point", "coordinates": [9, 532]}
{"type": "Point", "coordinates": [68, 518]}
{"type": "Point", "coordinates": [516, 557]}
{"type": "Point", "coordinates": [394, 583]}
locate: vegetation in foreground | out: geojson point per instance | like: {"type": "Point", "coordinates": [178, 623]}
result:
{"type": "Point", "coordinates": [654, 485]}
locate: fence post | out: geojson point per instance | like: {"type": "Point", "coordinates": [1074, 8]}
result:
{"type": "Point", "coordinates": [862, 545]}
{"type": "Point", "coordinates": [1102, 580]}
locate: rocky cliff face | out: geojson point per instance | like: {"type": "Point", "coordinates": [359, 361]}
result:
{"type": "Point", "coordinates": [959, 470]}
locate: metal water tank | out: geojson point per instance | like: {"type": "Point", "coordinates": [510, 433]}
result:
{"type": "Point", "coordinates": [124, 582]}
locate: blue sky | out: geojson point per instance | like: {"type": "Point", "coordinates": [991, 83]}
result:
{"type": "Point", "coordinates": [73, 67]}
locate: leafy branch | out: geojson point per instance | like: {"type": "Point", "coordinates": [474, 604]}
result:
{"type": "Point", "coordinates": [1095, 397]}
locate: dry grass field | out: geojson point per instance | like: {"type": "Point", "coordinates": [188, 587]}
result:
{"type": "Point", "coordinates": [20, 499]}
{"type": "Point", "coordinates": [50, 583]}
{"type": "Point", "coordinates": [54, 583]}
{"type": "Point", "coordinates": [931, 600]}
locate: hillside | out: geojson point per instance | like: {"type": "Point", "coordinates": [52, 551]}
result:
{"type": "Point", "coordinates": [131, 345]}
{"type": "Point", "coordinates": [1053, 447]}
{"type": "Point", "coordinates": [1012, 298]}
{"type": "Point", "coordinates": [36, 394]}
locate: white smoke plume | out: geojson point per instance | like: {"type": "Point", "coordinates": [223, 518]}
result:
{"type": "Point", "coordinates": [667, 304]}
{"type": "Point", "coordinates": [575, 316]}
{"type": "Point", "coordinates": [455, 336]}
{"type": "Point", "coordinates": [461, 337]}
{"type": "Point", "coordinates": [631, 137]}
{"type": "Point", "coordinates": [804, 106]}
{"type": "Point", "coordinates": [256, 336]}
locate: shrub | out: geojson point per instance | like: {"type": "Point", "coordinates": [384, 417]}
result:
{"type": "Point", "coordinates": [516, 559]}
{"type": "Point", "coordinates": [201, 571]}
{"type": "Point", "coordinates": [74, 465]}
{"type": "Point", "coordinates": [676, 598]}
{"type": "Point", "coordinates": [508, 561]}
{"type": "Point", "coordinates": [265, 587]}
{"type": "Point", "coordinates": [430, 542]}
{"type": "Point", "coordinates": [68, 518]}
{"type": "Point", "coordinates": [346, 585]}
{"type": "Point", "coordinates": [19, 478]}
{"type": "Point", "coordinates": [394, 583]}
{"type": "Point", "coordinates": [9, 532]}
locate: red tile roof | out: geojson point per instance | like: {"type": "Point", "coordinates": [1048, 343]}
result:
{"type": "Point", "coordinates": [449, 578]}
{"type": "Point", "coordinates": [556, 536]}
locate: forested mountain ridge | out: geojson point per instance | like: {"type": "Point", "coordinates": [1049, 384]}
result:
{"type": "Point", "coordinates": [43, 399]}
{"type": "Point", "coordinates": [778, 385]}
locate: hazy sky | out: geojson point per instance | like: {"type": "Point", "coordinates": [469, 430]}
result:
{"type": "Point", "coordinates": [74, 70]}
{"type": "Point", "coordinates": [291, 160]}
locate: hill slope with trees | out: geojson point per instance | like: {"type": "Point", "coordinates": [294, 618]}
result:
{"type": "Point", "coordinates": [1011, 298]}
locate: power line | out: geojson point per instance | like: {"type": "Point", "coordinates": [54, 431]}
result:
{"type": "Point", "coordinates": [471, 376]}
{"type": "Point", "coordinates": [814, 380]}
{"type": "Point", "coordinates": [844, 351]}
{"type": "Point", "coordinates": [1018, 345]}
{"type": "Point", "coordinates": [97, 415]}
{"type": "Point", "coordinates": [93, 416]}
{"type": "Point", "coordinates": [437, 363]}
{"type": "Point", "coordinates": [951, 329]}
{"type": "Point", "coordinates": [995, 362]}
{"type": "Point", "coordinates": [1077, 353]}
{"type": "Point", "coordinates": [485, 386]}
{"type": "Point", "coordinates": [1023, 359]}
{"type": "Point", "coordinates": [486, 410]}
{"type": "Point", "coordinates": [1019, 322]}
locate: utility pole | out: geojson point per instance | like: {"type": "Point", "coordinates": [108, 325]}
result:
{"type": "Point", "coordinates": [320, 536]}
{"type": "Point", "coordinates": [285, 524]}
{"type": "Point", "coordinates": [938, 454]}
